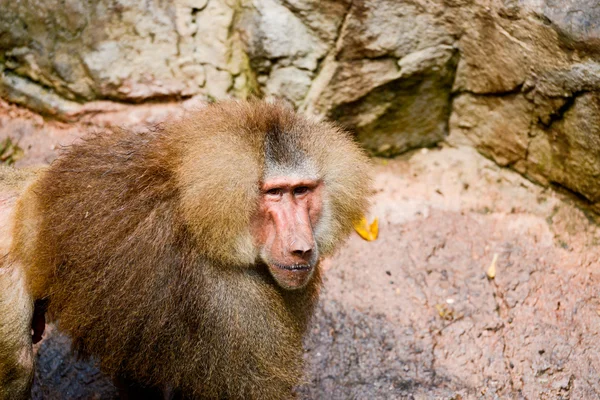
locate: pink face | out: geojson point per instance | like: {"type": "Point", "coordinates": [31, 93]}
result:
{"type": "Point", "coordinates": [283, 227]}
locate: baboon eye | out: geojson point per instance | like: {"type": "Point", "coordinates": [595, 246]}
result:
{"type": "Point", "coordinates": [274, 192]}
{"type": "Point", "coordinates": [300, 190]}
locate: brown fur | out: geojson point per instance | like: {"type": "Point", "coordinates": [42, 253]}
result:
{"type": "Point", "coordinates": [16, 358]}
{"type": "Point", "coordinates": [141, 242]}
{"type": "Point", "coordinates": [16, 306]}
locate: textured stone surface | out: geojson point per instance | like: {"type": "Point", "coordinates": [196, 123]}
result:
{"type": "Point", "coordinates": [412, 315]}
{"type": "Point", "coordinates": [391, 62]}
{"type": "Point", "coordinates": [517, 79]}
{"type": "Point", "coordinates": [497, 126]}
{"type": "Point", "coordinates": [567, 151]}
{"type": "Point", "coordinates": [577, 20]}
{"type": "Point", "coordinates": [374, 65]}
{"type": "Point", "coordinates": [286, 41]}
{"type": "Point", "coordinates": [123, 50]}
{"type": "Point", "coordinates": [527, 89]}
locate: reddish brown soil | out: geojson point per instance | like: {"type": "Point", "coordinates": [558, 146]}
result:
{"type": "Point", "coordinates": [413, 314]}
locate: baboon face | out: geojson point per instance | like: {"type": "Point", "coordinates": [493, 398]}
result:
{"type": "Point", "coordinates": [289, 208]}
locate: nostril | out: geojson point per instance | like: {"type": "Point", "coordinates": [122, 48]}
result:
{"type": "Point", "coordinates": [302, 253]}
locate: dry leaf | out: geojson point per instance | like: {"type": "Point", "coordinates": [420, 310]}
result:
{"type": "Point", "coordinates": [445, 312]}
{"type": "Point", "coordinates": [366, 231]}
{"type": "Point", "coordinates": [491, 272]}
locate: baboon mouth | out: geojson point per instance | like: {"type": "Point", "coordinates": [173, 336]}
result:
{"type": "Point", "coordinates": [291, 276]}
{"type": "Point", "coordinates": [294, 267]}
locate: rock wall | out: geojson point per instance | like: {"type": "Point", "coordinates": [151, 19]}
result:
{"type": "Point", "coordinates": [527, 89]}
{"type": "Point", "coordinates": [56, 55]}
{"type": "Point", "coordinates": [517, 79]}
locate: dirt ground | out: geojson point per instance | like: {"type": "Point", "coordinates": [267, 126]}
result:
{"type": "Point", "coordinates": [414, 316]}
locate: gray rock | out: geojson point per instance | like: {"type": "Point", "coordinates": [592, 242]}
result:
{"type": "Point", "coordinates": [527, 88]}
{"type": "Point", "coordinates": [567, 152]}
{"type": "Point", "coordinates": [124, 51]}
{"type": "Point", "coordinates": [517, 79]}
{"type": "Point", "coordinates": [291, 83]}
{"type": "Point", "coordinates": [391, 62]}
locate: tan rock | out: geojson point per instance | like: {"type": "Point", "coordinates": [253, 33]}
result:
{"type": "Point", "coordinates": [515, 79]}
{"type": "Point", "coordinates": [568, 151]}
{"type": "Point", "coordinates": [125, 51]}
{"type": "Point", "coordinates": [497, 126]}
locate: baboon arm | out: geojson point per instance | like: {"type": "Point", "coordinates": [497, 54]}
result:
{"type": "Point", "coordinates": [16, 305]}
{"type": "Point", "coordinates": [16, 359]}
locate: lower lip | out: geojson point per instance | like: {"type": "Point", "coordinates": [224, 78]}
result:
{"type": "Point", "coordinates": [294, 268]}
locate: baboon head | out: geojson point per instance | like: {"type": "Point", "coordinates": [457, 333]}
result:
{"type": "Point", "coordinates": [284, 192]}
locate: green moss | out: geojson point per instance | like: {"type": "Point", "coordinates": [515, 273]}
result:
{"type": "Point", "coordinates": [10, 152]}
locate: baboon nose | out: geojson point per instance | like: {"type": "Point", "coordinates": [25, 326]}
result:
{"type": "Point", "coordinates": [304, 251]}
